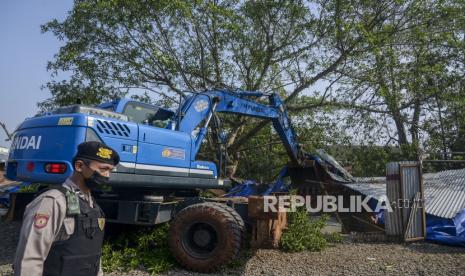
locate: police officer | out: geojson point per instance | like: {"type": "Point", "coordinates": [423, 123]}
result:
{"type": "Point", "coordinates": [62, 230]}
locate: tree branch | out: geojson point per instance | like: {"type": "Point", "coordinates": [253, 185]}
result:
{"type": "Point", "coordinates": [8, 134]}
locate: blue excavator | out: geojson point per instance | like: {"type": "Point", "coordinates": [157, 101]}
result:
{"type": "Point", "coordinates": [159, 176]}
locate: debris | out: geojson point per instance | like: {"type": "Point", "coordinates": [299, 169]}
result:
{"type": "Point", "coordinates": [445, 222]}
{"type": "Point", "coordinates": [267, 227]}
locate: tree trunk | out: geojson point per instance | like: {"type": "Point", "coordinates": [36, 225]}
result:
{"type": "Point", "coordinates": [441, 126]}
{"type": "Point", "coordinates": [401, 133]}
{"type": "Point", "coordinates": [414, 132]}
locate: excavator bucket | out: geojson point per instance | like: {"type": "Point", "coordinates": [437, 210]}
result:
{"type": "Point", "coordinates": [316, 171]}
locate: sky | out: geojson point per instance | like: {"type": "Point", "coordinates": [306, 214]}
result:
{"type": "Point", "coordinates": [24, 53]}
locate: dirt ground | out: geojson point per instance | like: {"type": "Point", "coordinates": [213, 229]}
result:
{"type": "Point", "coordinates": [341, 259]}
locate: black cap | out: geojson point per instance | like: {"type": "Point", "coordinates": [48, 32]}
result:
{"type": "Point", "coordinates": [97, 151]}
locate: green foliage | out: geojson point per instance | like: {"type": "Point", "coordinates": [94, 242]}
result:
{"type": "Point", "coordinates": [402, 88]}
{"type": "Point", "coordinates": [145, 249]}
{"type": "Point", "coordinates": [156, 238]}
{"type": "Point", "coordinates": [264, 155]}
{"type": "Point", "coordinates": [371, 160]}
{"type": "Point", "coordinates": [303, 233]}
{"type": "Point", "coordinates": [165, 47]}
{"type": "Point", "coordinates": [117, 260]}
{"type": "Point", "coordinates": [29, 188]}
{"type": "Point", "coordinates": [113, 48]}
{"type": "Point", "coordinates": [383, 73]}
{"type": "Point", "coordinates": [334, 237]}
{"type": "Point", "coordinates": [207, 194]}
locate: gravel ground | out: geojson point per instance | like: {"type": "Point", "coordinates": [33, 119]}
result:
{"type": "Point", "coordinates": [341, 259]}
{"type": "Point", "coordinates": [9, 238]}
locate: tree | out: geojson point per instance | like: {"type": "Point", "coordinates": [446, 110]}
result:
{"type": "Point", "coordinates": [168, 47]}
{"type": "Point", "coordinates": [399, 88]}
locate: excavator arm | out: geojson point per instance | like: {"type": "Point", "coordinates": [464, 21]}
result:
{"type": "Point", "coordinates": [197, 111]}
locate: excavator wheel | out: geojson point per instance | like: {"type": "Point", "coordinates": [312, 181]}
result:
{"type": "Point", "coordinates": [205, 236]}
{"type": "Point", "coordinates": [236, 216]}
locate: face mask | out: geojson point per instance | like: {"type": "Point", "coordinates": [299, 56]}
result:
{"type": "Point", "coordinates": [96, 180]}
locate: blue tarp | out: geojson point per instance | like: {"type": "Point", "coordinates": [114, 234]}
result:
{"type": "Point", "coordinates": [250, 187]}
{"type": "Point", "coordinates": [438, 230]}
{"type": "Point", "coordinates": [5, 197]}
{"type": "Point", "coordinates": [446, 231]}
{"type": "Point", "coordinates": [378, 215]}
{"type": "Point", "coordinates": [246, 188]}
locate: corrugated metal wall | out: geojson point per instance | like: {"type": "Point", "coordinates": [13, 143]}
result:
{"type": "Point", "coordinates": [404, 191]}
{"type": "Point", "coordinates": [393, 224]}
{"type": "Point", "coordinates": [445, 193]}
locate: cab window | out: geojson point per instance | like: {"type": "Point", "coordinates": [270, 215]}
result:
{"type": "Point", "coordinates": [145, 114]}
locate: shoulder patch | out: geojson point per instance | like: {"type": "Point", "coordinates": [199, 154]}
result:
{"type": "Point", "coordinates": [41, 220]}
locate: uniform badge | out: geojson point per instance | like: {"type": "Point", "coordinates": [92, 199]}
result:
{"type": "Point", "coordinates": [101, 223]}
{"type": "Point", "coordinates": [104, 153]}
{"type": "Point", "coordinates": [41, 220]}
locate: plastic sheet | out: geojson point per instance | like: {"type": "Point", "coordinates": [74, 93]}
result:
{"type": "Point", "coordinates": [250, 187]}
{"type": "Point", "coordinates": [446, 231]}
{"type": "Point", "coordinates": [438, 230]}
{"type": "Point", "coordinates": [5, 197]}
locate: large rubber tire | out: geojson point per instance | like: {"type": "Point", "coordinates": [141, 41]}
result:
{"type": "Point", "coordinates": [237, 217]}
{"type": "Point", "coordinates": [205, 236]}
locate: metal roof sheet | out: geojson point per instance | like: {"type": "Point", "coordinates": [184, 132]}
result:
{"type": "Point", "coordinates": [444, 191]}
{"type": "Point", "coordinates": [374, 189]}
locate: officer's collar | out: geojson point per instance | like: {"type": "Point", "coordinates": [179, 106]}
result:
{"type": "Point", "coordinates": [70, 185]}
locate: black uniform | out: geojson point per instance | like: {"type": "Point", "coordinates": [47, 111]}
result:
{"type": "Point", "coordinates": [80, 254]}
{"type": "Point", "coordinates": [59, 238]}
